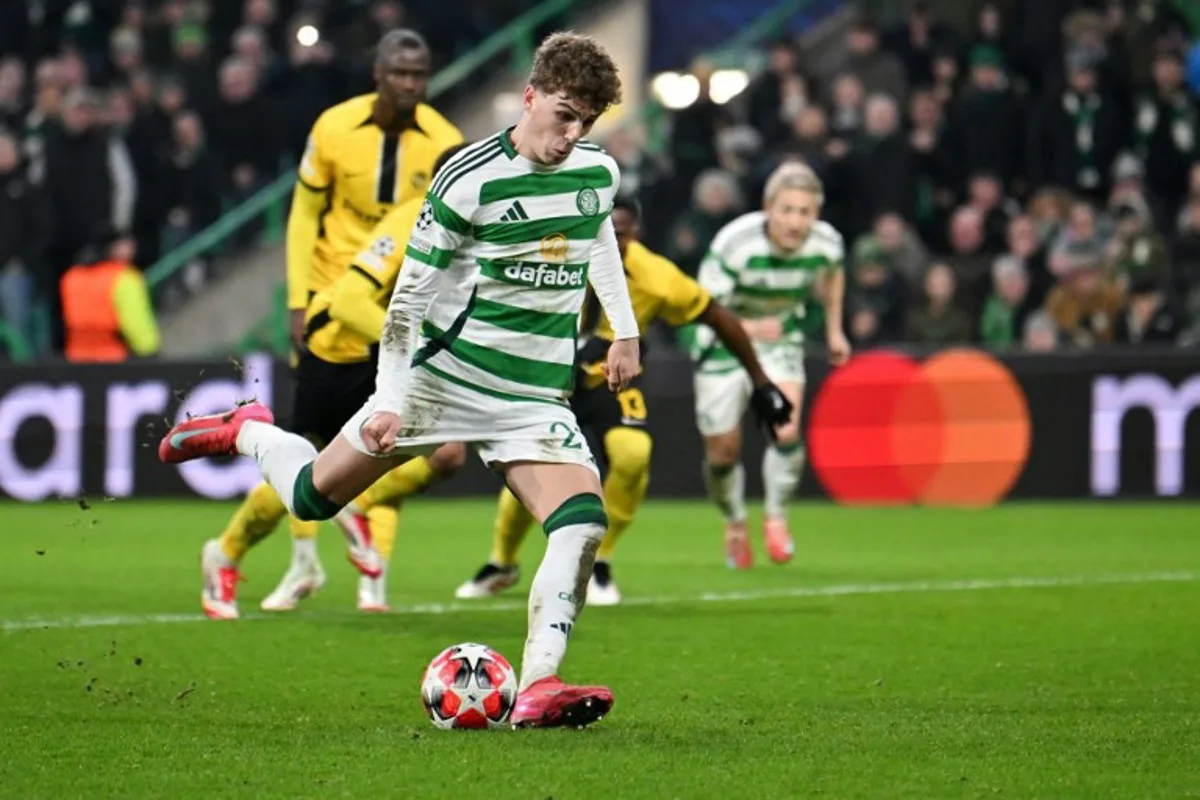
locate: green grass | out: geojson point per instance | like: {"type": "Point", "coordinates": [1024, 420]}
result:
{"type": "Point", "coordinates": [1088, 691]}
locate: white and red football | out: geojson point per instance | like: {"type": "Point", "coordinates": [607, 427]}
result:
{"type": "Point", "coordinates": [469, 686]}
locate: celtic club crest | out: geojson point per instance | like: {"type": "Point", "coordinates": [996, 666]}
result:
{"type": "Point", "coordinates": [588, 202]}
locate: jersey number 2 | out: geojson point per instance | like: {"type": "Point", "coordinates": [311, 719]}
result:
{"type": "Point", "coordinates": [568, 442]}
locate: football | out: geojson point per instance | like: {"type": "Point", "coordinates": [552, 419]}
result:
{"type": "Point", "coordinates": [469, 686]}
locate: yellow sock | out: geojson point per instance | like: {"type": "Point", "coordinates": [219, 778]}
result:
{"type": "Point", "coordinates": [625, 487]}
{"type": "Point", "coordinates": [404, 481]}
{"type": "Point", "coordinates": [512, 521]}
{"type": "Point", "coordinates": [254, 521]}
{"type": "Point", "coordinates": [303, 529]}
{"type": "Point", "coordinates": [383, 522]}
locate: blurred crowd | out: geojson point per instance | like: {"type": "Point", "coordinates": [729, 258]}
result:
{"type": "Point", "coordinates": [1031, 182]}
{"type": "Point", "coordinates": [128, 125]}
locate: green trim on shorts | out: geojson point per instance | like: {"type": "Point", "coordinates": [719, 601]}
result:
{"type": "Point", "coordinates": [582, 509]}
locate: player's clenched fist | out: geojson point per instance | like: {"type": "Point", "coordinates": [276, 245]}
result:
{"type": "Point", "coordinates": [624, 360]}
{"type": "Point", "coordinates": [379, 432]}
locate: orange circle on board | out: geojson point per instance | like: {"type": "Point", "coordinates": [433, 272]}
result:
{"type": "Point", "coordinates": [954, 430]}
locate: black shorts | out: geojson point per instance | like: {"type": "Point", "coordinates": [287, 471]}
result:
{"type": "Point", "coordinates": [327, 395]}
{"type": "Point", "coordinates": [599, 411]}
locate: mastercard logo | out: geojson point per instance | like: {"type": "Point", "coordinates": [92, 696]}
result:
{"type": "Point", "coordinates": [953, 430]}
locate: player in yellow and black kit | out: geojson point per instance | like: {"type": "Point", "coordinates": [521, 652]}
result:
{"type": "Point", "coordinates": [364, 156]}
{"type": "Point", "coordinates": [658, 290]}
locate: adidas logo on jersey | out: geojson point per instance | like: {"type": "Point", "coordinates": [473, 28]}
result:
{"type": "Point", "coordinates": [514, 213]}
{"type": "Point", "coordinates": [539, 275]}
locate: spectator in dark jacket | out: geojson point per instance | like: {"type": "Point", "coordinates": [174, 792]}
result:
{"type": "Point", "coordinates": [245, 130]}
{"type": "Point", "coordinates": [1150, 317]}
{"type": "Point", "coordinates": [1077, 133]}
{"type": "Point", "coordinates": [24, 233]}
{"type": "Point", "coordinates": [1166, 127]}
{"type": "Point", "coordinates": [987, 123]}
{"type": "Point", "coordinates": [778, 95]}
{"type": "Point", "coordinates": [193, 188]}
{"type": "Point", "coordinates": [939, 321]}
{"type": "Point", "coordinates": [89, 179]}
{"type": "Point", "coordinates": [883, 167]}
{"type": "Point", "coordinates": [879, 70]}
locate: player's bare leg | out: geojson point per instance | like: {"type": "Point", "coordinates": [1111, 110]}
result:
{"type": "Point", "coordinates": [312, 485]}
{"type": "Point", "coordinates": [783, 466]}
{"type": "Point", "coordinates": [566, 500]}
{"type": "Point", "coordinates": [726, 483]}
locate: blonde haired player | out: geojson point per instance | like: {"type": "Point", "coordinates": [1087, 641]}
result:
{"type": "Point", "coordinates": [479, 346]}
{"type": "Point", "coordinates": [364, 156]}
{"type": "Point", "coordinates": [765, 266]}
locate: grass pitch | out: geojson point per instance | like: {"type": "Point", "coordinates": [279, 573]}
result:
{"type": "Point", "coordinates": [1029, 651]}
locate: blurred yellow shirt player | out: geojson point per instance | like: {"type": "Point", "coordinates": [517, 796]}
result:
{"type": "Point", "coordinates": [363, 158]}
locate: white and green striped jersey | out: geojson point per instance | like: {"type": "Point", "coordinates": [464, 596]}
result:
{"type": "Point", "coordinates": [754, 279]}
{"type": "Point", "coordinates": [513, 241]}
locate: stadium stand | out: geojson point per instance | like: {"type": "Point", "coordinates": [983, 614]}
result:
{"type": "Point", "coordinates": [1028, 179]}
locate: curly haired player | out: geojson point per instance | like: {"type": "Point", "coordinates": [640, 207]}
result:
{"type": "Point", "coordinates": [479, 347]}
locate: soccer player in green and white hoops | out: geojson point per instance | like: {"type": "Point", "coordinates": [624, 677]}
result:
{"type": "Point", "coordinates": [479, 347]}
{"type": "Point", "coordinates": [764, 266]}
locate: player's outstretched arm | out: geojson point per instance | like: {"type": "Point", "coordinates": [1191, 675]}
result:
{"type": "Point", "coordinates": [302, 227]}
{"type": "Point", "coordinates": [415, 290]}
{"type": "Point", "coordinates": [835, 337]}
{"type": "Point", "coordinates": [732, 333]}
{"type": "Point", "coordinates": [607, 277]}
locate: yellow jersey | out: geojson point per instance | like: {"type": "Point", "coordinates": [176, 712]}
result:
{"type": "Point", "coordinates": [379, 263]}
{"type": "Point", "coordinates": [364, 173]}
{"type": "Point", "coordinates": [658, 290]}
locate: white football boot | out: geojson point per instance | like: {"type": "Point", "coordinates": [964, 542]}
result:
{"type": "Point", "coordinates": [304, 577]}
{"type": "Point", "coordinates": [372, 592]}
{"type": "Point", "coordinates": [218, 598]}
{"type": "Point", "coordinates": [353, 524]}
{"type": "Point", "coordinates": [602, 590]}
{"type": "Point", "coordinates": [489, 581]}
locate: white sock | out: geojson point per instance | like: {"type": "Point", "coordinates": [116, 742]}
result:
{"type": "Point", "coordinates": [304, 551]}
{"type": "Point", "coordinates": [782, 470]}
{"type": "Point", "coordinates": [727, 488]}
{"type": "Point", "coordinates": [280, 456]}
{"type": "Point", "coordinates": [556, 597]}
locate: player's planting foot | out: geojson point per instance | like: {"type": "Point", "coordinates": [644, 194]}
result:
{"type": "Point", "coordinates": [602, 591]}
{"type": "Point", "coordinates": [489, 581]}
{"type": "Point", "coordinates": [212, 435]}
{"type": "Point", "coordinates": [778, 540]}
{"type": "Point", "coordinates": [303, 578]}
{"type": "Point", "coordinates": [218, 598]}
{"type": "Point", "coordinates": [737, 546]}
{"type": "Point", "coordinates": [550, 703]}
{"type": "Point", "coordinates": [353, 524]}
{"type": "Point", "coordinates": [372, 593]}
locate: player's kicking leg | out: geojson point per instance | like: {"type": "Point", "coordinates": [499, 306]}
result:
{"type": "Point", "coordinates": [783, 466]}
{"type": "Point", "coordinates": [374, 514]}
{"type": "Point", "coordinates": [721, 400]}
{"type": "Point", "coordinates": [566, 500]}
{"type": "Point", "coordinates": [313, 486]}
